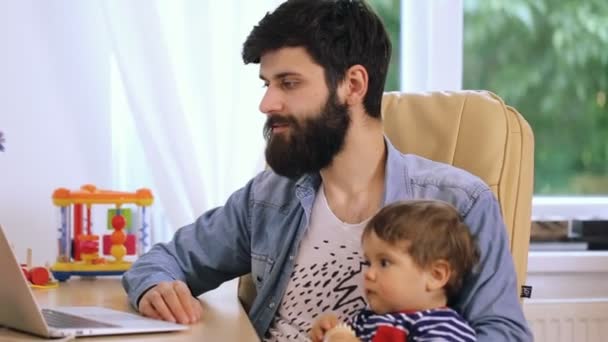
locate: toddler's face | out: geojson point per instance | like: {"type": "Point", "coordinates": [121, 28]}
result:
{"type": "Point", "coordinates": [393, 282]}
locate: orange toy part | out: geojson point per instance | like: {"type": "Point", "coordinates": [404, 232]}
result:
{"type": "Point", "coordinates": [89, 194]}
{"type": "Point", "coordinates": [130, 244]}
{"type": "Point", "coordinates": [99, 261]}
{"type": "Point", "coordinates": [118, 237]}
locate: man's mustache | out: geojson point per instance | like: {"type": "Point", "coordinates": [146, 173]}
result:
{"type": "Point", "coordinates": [279, 119]}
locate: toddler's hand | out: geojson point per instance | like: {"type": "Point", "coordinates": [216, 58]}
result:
{"type": "Point", "coordinates": [321, 325]}
{"type": "Point", "coordinates": [341, 333]}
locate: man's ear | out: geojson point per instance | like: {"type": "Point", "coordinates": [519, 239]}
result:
{"type": "Point", "coordinates": [439, 274]}
{"type": "Point", "coordinates": [355, 84]}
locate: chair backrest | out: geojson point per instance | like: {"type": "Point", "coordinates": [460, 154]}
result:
{"type": "Point", "coordinates": [472, 130]}
{"type": "Point", "coordinates": [477, 132]}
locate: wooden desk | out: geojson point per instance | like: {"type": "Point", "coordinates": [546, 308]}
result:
{"type": "Point", "coordinates": [223, 317]}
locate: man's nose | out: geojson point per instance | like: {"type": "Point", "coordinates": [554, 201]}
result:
{"type": "Point", "coordinates": [271, 102]}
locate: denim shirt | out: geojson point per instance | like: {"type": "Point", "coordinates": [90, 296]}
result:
{"type": "Point", "coordinates": [260, 227]}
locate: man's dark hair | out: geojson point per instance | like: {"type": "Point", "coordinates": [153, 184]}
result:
{"type": "Point", "coordinates": [336, 33]}
{"type": "Point", "coordinates": [434, 231]}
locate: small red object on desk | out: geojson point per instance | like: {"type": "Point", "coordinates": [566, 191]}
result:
{"type": "Point", "coordinates": [39, 276]}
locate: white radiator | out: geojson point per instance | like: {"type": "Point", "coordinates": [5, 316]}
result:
{"type": "Point", "coordinates": [581, 320]}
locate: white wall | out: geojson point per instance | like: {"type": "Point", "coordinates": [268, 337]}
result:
{"type": "Point", "coordinates": [53, 74]}
{"type": "Point", "coordinates": [569, 296]}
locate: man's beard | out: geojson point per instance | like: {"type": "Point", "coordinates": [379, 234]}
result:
{"type": "Point", "coordinates": [308, 145]}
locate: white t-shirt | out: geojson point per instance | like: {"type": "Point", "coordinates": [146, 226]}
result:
{"type": "Point", "coordinates": [326, 277]}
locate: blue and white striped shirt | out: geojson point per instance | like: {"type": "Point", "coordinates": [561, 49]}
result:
{"type": "Point", "coordinates": [440, 324]}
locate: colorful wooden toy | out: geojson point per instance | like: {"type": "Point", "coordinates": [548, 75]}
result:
{"type": "Point", "coordinates": [79, 248]}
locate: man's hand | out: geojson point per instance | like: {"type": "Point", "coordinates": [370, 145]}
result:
{"type": "Point", "coordinates": [321, 325]}
{"type": "Point", "coordinates": [171, 301]}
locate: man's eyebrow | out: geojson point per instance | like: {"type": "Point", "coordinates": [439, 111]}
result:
{"type": "Point", "coordinates": [281, 75]}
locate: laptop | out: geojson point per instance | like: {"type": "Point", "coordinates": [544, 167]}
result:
{"type": "Point", "coordinates": [19, 310]}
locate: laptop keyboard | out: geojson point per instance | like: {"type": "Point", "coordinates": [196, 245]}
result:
{"type": "Point", "coordinates": [60, 320]}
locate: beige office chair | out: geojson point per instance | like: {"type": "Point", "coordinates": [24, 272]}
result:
{"type": "Point", "coordinates": [474, 131]}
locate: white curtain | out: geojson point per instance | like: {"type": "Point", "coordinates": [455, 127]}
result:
{"type": "Point", "coordinates": [54, 114]}
{"type": "Point", "coordinates": [431, 45]}
{"type": "Point", "coordinates": [185, 108]}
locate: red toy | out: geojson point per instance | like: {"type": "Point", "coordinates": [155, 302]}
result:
{"type": "Point", "coordinates": [37, 276]}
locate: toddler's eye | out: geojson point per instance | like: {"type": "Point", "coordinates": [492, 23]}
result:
{"type": "Point", "coordinates": [385, 263]}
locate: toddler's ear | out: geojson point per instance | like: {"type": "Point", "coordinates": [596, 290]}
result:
{"type": "Point", "coordinates": [439, 274]}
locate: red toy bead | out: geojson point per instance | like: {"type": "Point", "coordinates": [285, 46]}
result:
{"type": "Point", "coordinates": [89, 247]}
{"type": "Point", "coordinates": [118, 222]}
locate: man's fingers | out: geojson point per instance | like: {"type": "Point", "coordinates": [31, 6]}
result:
{"type": "Point", "coordinates": [174, 304]}
{"type": "Point", "coordinates": [198, 309]}
{"type": "Point", "coordinates": [171, 301]}
{"type": "Point", "coordinates": [185, 298]}
{"type": "Point", "coordinates": [146, 309]}
{"type": "Point", "coordinates": [158, 303]}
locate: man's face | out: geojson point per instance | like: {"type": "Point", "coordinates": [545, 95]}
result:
{"type": "Point", "coordinates": [306, 124]}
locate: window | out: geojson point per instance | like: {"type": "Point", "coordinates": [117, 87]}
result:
{"type": "Point", "coordinates": [389, 12]}
{"type": "Point", "coordinates": [549, 60]}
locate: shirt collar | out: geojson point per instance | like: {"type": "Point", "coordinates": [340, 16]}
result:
{"type": "Point", "coordinates": [396, 186]}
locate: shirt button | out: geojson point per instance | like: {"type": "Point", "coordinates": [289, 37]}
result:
{"type": "Point", "coordinates": [271, 305]}
{"type": "Point", "coordinates": [291, 257]}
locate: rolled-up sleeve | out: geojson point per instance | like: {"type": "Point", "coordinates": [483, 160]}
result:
{"type": "Point", "coordinates": [213, 249]}
{"type": "Point", "coordinates": [489, 300]}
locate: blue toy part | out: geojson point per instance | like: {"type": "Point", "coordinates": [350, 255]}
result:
{"type": "Point", "coordinates": [63, 275]}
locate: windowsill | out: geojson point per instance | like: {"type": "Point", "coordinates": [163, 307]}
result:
{"type": "Point", "coordinates": [567, 262]}
{"type": "Point", "coordinates": [548, 208]}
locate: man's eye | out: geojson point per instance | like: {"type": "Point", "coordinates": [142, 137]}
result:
{"type": "Point", "coordinates": [289, 84]}
{"type": "Point", "coordinates": [265, 85]}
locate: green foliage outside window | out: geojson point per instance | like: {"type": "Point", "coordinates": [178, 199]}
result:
{"type": "Point", "coordinates": [388, 10]}
{"type": "Point", "coordinates": [548, 59]}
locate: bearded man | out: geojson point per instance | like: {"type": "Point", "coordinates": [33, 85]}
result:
{"type": "Point", "coordinates": [297, 226]}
